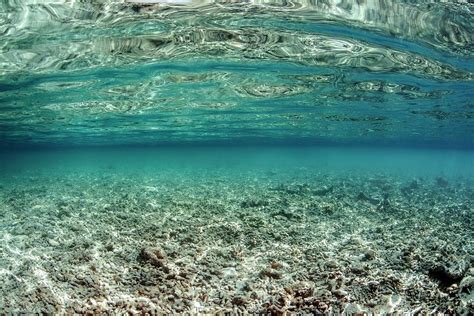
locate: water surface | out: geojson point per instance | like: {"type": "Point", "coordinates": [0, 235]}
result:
{"type": "Point", "coordinates": [117, 72]}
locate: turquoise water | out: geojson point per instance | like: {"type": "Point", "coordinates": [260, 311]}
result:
{"type": "Point", "coordinates": [111, 72]}
{"type": "Point", "coordinates": [236, 156]}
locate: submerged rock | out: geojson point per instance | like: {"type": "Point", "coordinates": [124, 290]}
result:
{"type": "Point", "coordinates": [294, 189]}
{"type": "Point", "coordinates": [410, 188]}
{"type": "Point", "coordinates": [447, 275]}
{"type": "Point", "coordinates": [363, 197]}
{"type": "Point", "coordinates": [271, 273]}
{"type": "Point", "coordinates": [253, 203]}
{"type": "Point", "coordinates": [323, 191]}
{"type": "Point", "coordinates": [441, 182]}
{"type": "Point", "coordinates": [467, 284]}
{"type": "Point", "coordinates": [155, 256]}
{"type": "Point", "coordinates": [289, 214]}
{"type": "Point", "coordinates": [382, 204]}
{"type": "Point", "coordinates": [385, 203]}
{"type": "Point", "coordinates": [276, 265]}
{"type": "Point", "coordinates": [300, 289]}
{"type": "Point", "coordinates": [239, 300]}
{"type": "Point", "coordinates": [368, 254]}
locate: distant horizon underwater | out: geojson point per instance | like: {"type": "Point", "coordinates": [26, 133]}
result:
{"type": "Point", "coordinates": [240, 157]}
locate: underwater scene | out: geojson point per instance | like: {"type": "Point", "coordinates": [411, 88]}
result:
{"type": "Point", "coordinates": [236, 157]}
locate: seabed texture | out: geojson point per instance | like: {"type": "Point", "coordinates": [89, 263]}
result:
{"type": "Point", "coordinates": [258, 243]}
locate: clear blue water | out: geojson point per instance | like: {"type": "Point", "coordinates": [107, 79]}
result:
{"type": "Point", "coordinates": [326, 128]}
{"type": "Point", "coordinates": [114, 73]}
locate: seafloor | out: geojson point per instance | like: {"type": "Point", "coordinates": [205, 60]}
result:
{"type": "Point", "coordinates": [259, 243]}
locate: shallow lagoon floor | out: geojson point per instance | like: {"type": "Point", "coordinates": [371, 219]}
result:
{"type": "Point", "coordinates": [253, 234]}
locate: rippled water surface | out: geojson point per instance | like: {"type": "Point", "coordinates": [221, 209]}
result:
{"type": "Point", "coordinates": [121, 72]}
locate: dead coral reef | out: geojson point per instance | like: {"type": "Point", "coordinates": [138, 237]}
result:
{"type": "Point", "coordinates": [315, 244]}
